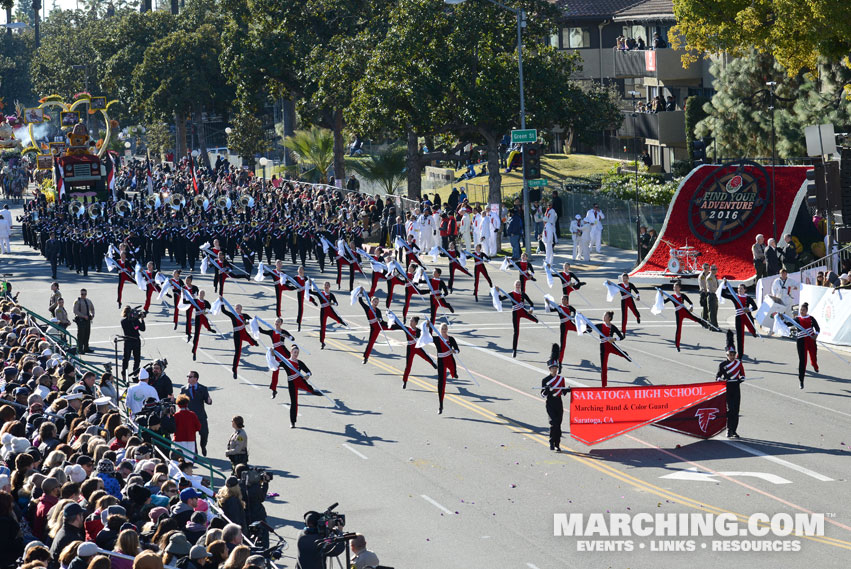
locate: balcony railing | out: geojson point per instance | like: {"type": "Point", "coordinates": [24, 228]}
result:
{"type": "Point", "coordinates": [669, 128]}
{"type": "Point", "coordinates": [663, 64]}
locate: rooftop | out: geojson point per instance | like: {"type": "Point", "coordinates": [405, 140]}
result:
{"type": "Point", "coordinates": [618, 10]}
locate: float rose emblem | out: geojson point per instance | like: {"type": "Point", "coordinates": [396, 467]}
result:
{"type": "Point", "coordinates": [734, 184]}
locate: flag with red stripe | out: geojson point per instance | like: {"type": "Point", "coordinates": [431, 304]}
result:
{"type": "Point", "coordinates": [110, 177]}
{"type": "Point", "coordinates": [60, 179]}
{"type": "Point", "coordinates": [194, 176]}
{"type": "Point", "coordinates": [150, 178]}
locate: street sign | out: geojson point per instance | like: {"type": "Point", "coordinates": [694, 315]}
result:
{"type": "Point", "coordinates": [521, 136]}
{"type": "Point", "coordinates": [539, 183]}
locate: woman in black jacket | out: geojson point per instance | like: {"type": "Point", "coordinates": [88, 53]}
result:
{"type": "Point", "coordinates": [230, 501]}
{"type": "Point", "coordinates": [10, 533]}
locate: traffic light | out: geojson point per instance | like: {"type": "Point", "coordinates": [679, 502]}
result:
{"type": "Point", "coordinates": [845, 186]}
{"type": "Point", "coordinates": [832, 189]}
{"type": "Point", "coordinates": [698, 150]}
{"type": "Point", "coordinates": [816, 193]}
{"type": "Point", "coordinates": [531, 161]}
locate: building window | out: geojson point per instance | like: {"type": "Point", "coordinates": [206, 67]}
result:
{"type": "Point", "coordinates": [575, 38]}
{"type": "Point", "coordinates": [553, 40]}
{"type": "Point", "coordinates": [635, 32]}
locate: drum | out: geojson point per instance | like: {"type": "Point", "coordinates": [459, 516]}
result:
{"type": "Point", "coordinates": [674, 265]}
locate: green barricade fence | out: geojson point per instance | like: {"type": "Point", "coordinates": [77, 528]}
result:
{"type": "Point", "coordinates": [168, 446]}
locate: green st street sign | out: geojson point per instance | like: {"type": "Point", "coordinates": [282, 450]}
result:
{"type": "Point", "coordinates": [521, 136]}
{"type": "Point", "coordinates": [539, 183]}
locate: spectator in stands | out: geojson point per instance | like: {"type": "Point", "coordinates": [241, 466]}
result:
{"type": "Point", "coordinates": [621, 43]}
{"type": "Point", "coordinates": [219, 553]}
{"type": "Point", "coordinates": [182, 511]}
{"type": "Point", "coordinates": [128, 544]}
{"type": "Point", "coordinates": [10, 532]}
{"type": "Point", "coordinates": [640, 44]}
{"type": "Point", "coordinates": [72, 529]}
{"type": "Point", "coordinates": [237, 557]}
{"type": "Point", "coordinates": [658, 42]}
{"type": "Point", "coordinates": [230, 500]}
{"type": "Point", "coordinates": [630, 43]}
{"type": "Point", "coordinates": [232, 536]}
{"type": "Point", "coordinates": [671, 104]}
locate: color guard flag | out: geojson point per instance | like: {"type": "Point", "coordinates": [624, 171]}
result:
{"type": "Point", "coordinates": [659, 305]}
{"type": "Point", "coordinates": [613, 291]}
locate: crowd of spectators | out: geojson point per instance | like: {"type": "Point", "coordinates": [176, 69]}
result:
{"type": "Point", "coordinates": [624, 43]}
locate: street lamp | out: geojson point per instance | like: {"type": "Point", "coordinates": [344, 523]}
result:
{"type": "Point", "coordinates": [521, 23]}
{"type": "Point", "coordinates": [771, 86]}
{"type": "Point", "coordinates": [634, 95]}
{"type": "Point", "coordinates": [263, 162]}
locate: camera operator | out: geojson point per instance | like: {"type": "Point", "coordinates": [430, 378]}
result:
{"type": "Point", "coordinates": [254, 485]}
{"type": "Point", "coordinates": [132, 322]}
{"type": "Point", "coordinates": [323, 537]}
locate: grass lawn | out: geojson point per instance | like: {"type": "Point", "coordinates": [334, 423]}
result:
{"type": "Point", "coordinates": [555, 167]}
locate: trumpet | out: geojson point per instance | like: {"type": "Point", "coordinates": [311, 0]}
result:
{"type": "Point", "coordinates": [74, 208]}
{"type": "Point", "coordinates": [94, 211]}
{"type": "Point", "coordinates": [123, 207]}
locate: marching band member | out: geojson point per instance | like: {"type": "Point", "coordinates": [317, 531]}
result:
{"type": "Point", "coordinates": [553, 388]}
{"type": "Point", "coordinates": [201, 321]}
{"type": "Point", "coordinates": [607, 344]}
{"type": "Point", "coordinates": [188, 291]}
{"type": "Point", "coordinates": [149, 275]}
{"type": "Point", "coordinates": [806, 341]}
{"type": "Point", "coordinates": [566, 314]}
{"type": "Point", "coordinates": [300, 287]}
{"type": "Point", "coordinates": [437, 289]}
{"type": "Point", "coordinates": [733, 372]}
{"type": "Point", "coordinates": [177, 291]}
{"type": "Point", "coordinates": [569, 281]}
{"type": "Point", "coordinates": [376, 322]}
{"type": "Point", "coordinates": [239, 320]}
{"type": "Point", "coordinates": [278, 273]}
{"type": "Point", "coordinates": [527, 272]}
{"type": "Point", "coordinates": [447, 347]}
{"type": "Point", "coordinates": [548, 236]}
{"type": "Point", "coordinates": [455, 264]}
{"type": "Point", "coordinates": [125, 274]}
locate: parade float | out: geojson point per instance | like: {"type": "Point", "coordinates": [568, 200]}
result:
{"type": "Point", "coordinates": [72, 164]}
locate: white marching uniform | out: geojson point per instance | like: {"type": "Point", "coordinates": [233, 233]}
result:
{"type": "Point", "coordinates": [478, 222]}
{"type": "Point", "coordinates": [490, 229]}
{"type": "Point", "coordinates": [595, 221]}
{"type": "Point", "coordinates": [549, 234]}
{"type": "Point", "coordinates": [784, 291]}
{"type": "Point", "coordinates": [466, 227]}
{"type": "Point", "coordinates": [585, 241]}
{"type": "Point", "coordinates": [576, 232]}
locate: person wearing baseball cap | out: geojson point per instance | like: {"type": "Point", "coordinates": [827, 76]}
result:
{"type": "Point", "coordinates": [71, 530]}
{"type": "Point", "coordinates": [553, 388]}
{"type": "Point", "coordinates": [182, 511]}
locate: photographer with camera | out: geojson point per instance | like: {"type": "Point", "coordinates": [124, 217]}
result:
{"type": "Point", "coordinates": [132, 322]}
{"type": "Point", "coordinates": [322, 538]}
{"type": "Point", "coordinates": [254, 485]}
{"type": "Point", "coordinates": [160, 381]}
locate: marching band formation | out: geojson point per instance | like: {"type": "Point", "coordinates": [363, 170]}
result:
{"type": "Point", "coordinates": [296, 222]}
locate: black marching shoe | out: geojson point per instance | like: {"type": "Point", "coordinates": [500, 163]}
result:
{"type": "Point", "coordinates": [234, 375]}
{"type": "Point", "coordinates": [292, 425]}
{"type": "Point", "coordinates": [552, 446]}
{"type": "Point", "coordinates": [364, 361]}
{"type": "Point", "coordinates": [323, 346]}
{"type": "Point", "coordinates": [801, 380]}
{"type": "Point", "coordinates": [274, 394]}
{"type": "Point", "coordinates": [440, 411]}
{"type": "Point", "coordinates": [194, 357]}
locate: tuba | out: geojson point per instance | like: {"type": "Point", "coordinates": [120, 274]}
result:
{"type": "Point", "coordinates": [245, 201]}
{"type": "Point", "coordinates": [223, 203]}
{"type": "Point", "coordinates": [151, 201]}
{"type": "Point", "coordinates": [123, 207]}
{"type": "Point", "coordinates": [75, 208]}
{"type": "Point", "coordinates": [176, 201]}
{"type": "Point", "coordinates": [198, 202]}
{"type": "Point", "coordinates": [94, 211]}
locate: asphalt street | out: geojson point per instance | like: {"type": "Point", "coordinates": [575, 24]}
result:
{"type": "Point", "coordinates": [477, 486]}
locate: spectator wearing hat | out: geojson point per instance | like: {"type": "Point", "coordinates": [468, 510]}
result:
{"type": "Point", "coordinates": [196, 527]}
{"type": "Point", "coordinates": [198, 557]}
{"type": "Point", "coordinates": [71, 530]}
{"type": "Point", "coordinates": [106, 472]}
{"type": "Point", "coordinates": [178, 547]}
{"type": "Point", "coordinates": [85, 553]}
{"type": "Point", "coordinates": [237, 450]}
{"type": "Point", "coordinates": [182, 511]}
{"type": "Point", "coordinates": [49, 498]}
{"type": "Point", "coordinates": [137, 394]}
{"type": "Point", "coordinates": [84, 313]}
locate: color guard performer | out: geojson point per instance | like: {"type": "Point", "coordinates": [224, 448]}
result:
{"type": "Point", "coordinates": [527, 272]}
{"type": "Point", "coordinates": [406, 279]}
{"type": "Point", "coordinates": [607, 344]}
{"type": "Point", "coordinates": [447, 347]}
{"type": "Point", "coordinates": [298, 284]}
{"type": "Point", "coordinates": [373, 317]}
{"type": "Point", "coordinates": [679, 299]}
{"type": "Point", "coordinates": [569, 281]}
{"type": "Point", "coordinates": [437, 289]}
{"type": "Point", "coordinates": [553, 388]}
{"type": "Point", "coordinates": [149, 277]}
{"type": "Point", "coordinates": [455, 264]}
{"type": "Point", "coordinates": [125, 274]}
{"type": "Point", "coordinates": [279, 350]}
{"type": "Point", "coordinates": [297, 375]}
{"type": "Point", "coordinates": [201, 321]}
{"type": "Point", "coordinates": [479, 257]}
{"type": "Point", "coordinates": [733, 372]}
{"type": "Point", "coordinates": [187, 292]}
{"type": "Point", "coordinates": [629, 294]}
{"type": "Point", "coordinates": [521, 307]}
{"type": "Point", "coordinates": [566, 315]}
{"type": "Point", "coordinates": [412, 334]}
{"type": "Point", "coordinates": [806, 341]}
{"type": "Point", "coordinates": [744, 304]}
{"type": "Point", "coordinates": [326, 301]}
{"type": "Point", "coordinates": [239, 320]}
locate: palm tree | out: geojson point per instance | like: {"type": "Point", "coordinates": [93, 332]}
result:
{"type": "Point", "coordinates": [386, 167]}
{"type": "Point", "coordinates": [313, 147]}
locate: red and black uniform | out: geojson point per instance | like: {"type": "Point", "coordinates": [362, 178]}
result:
{"type": "Point", "coordinates": [446, 350]}
{"type": "Point", "coordinates": [519, 301]}
{"type": "Point", "coordinates": [151, 287]}
{"type": "Point", "coordinates": [569, 282]}
{"type": "Point", "coordinates": [744, 319]}
{"type": "Point", "coordinates": [124, 276]}
{"type": "Point", "coordinates": [411, 335]}
{"type": "Point", "coordinates": [325, 301]}
{"type": "Point", "coordinates": [279, 351]}
{"type": "Point", "coordinates": [527, 273]}
{"type": "Point", "coordinates": [176, 292]}
{"type": "Point", "coordinates": [376, 325]}
{"type": "Point", "coordinates": [681, 313]}
{"type": "Point", "coordinates": [480, 269]}
{"type": "Point", "coordinates": [411, 250]}
{"type": "Point", "coordinates": [438, 291]}
{"type": "Point", "coordinates": [554, 388]}
{"type": "Point", "coordinates": [607, 348]}
{"type": "Point", "coordinates": [188, 292]}
{"type": "Point", "coordinates": [455, 265]}
{"type": "Point", "coordinates": [226, 273]}
{"type": "Point", "coordinates": [201, 321]}
{"type": "Point", "coordinates": [806, 344]}
{"type": "Point", "coordinates": [279, 290]}
{"type": "Point", "coordinates": [376, 276]}
{"type": "Point", "coordinates": [240, 335]}
{"type": "Point", "coordinates": [296, 381]}
{"type": "Point", "coordinates": [628, 303]}
{"type": "Point", "coordinates": [394, 279]}
{"type": "Point", "coordinates": [734, 374]}
{"type": "Point", "coordinates": [300, 290]}
{"type": "Point", "coordinates": [352, 263]}
{"type": "Point", "coordinates": [565, 318]}
{"type": "Point", "coordinates": [214, 257]}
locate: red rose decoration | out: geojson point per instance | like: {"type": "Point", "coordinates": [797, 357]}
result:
{"type": "Point", "coordinates": [734, 184]}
